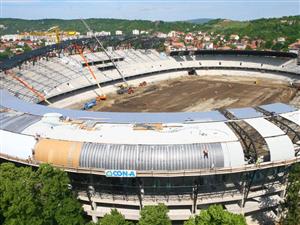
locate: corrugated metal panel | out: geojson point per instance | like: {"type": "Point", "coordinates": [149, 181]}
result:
{"type": "Point", "coordinates": [16, 145]}
{"type": "Point", "coordinates": [281, 148]}
{"type": "Point", "coordinates": [264, 127]}
{"type": "Point", "coordinates": [151, 157]}
{"type": "Point", "coordinates": [16, 123]}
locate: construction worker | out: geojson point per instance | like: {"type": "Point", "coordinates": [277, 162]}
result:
{"type": "Point", "coordinates": [205, 153]}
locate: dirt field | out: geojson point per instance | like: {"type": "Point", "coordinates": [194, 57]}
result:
{"type": "Point", "coordinates": [199, 94]}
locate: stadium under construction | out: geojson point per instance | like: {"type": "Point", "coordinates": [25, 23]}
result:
{"type": "Point", "coordinates": [236, 157]}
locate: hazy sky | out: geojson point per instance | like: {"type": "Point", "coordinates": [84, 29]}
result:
{"type": "Point", "coordinates": [168, 10]}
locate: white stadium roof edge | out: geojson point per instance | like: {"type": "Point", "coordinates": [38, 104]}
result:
{"type": "Point", "coordinates": [114, 143]}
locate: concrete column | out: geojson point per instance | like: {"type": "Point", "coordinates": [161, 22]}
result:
{"type": "Point", "coordinates": [141, 193]}
{"type": "Point", "coordinates": [95, 218]}
{"type": "Point", "coordinates": [194, 197]}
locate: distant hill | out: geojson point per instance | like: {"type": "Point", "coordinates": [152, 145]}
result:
{"type": "Point", "coordinates": [19, 25]}
{"type": "Point", "coordinates": [267, 29]}
{"type": "Point", "coordinates": [199, 21]}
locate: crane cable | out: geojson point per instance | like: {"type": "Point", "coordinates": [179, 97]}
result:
{"type": "Point", "coordinates": [106, 53]}
{"type": "Point", "coordinates": [88, 66]}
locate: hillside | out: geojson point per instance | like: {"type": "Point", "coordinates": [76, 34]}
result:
{"type": "Point", "coordinates": [19, 25]}
{"type": "Point", "coordinates": [199, 21]}
{"type": "Point", "coordinates": [266, 29]}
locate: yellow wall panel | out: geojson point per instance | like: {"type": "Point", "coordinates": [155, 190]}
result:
{"type": "Point", "coordinates": [63, 153]}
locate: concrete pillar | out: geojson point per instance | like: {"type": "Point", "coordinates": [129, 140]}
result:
{"type": "Point", "coordinates": [194, 197]}
{"type": "Point", "coordinates": [141, 192]}
{"type": "Point", "coordinates": [94, 218]}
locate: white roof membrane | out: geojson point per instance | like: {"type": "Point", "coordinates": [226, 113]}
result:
{"type": "Point", "coordinates": [292, 116]}
{"type": "Point", "coordinates": [281, 148]}
{"type": "Point", "coordinates": [233, 154]}
{"type": "Point", "coordinates": [126, 134]}
{"type": "Point", "coordinates": [264, 127]}
{"type": "Point", "coordinates": [16, 145]}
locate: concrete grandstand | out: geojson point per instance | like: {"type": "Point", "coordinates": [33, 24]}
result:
{"type": "Point", "coordinates": [187, 160]}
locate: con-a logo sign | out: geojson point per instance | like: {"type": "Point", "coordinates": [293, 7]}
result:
{"type": "Point", "coordinates": [120, 173]}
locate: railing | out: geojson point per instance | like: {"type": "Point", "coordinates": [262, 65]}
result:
{"type": "Point", "coordinates": [158, 173]}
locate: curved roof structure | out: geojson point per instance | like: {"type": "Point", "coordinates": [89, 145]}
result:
{"type": "Point", "coordinates": [124, 144]}
{"type": "Point", "coordinates": [156, 142]}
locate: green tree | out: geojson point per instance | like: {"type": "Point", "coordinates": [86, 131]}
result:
{"type": "Point", "coordinates": [292, 200]}
{"type": "Point", "coordinates": [26, 48]}
{"type": "Point", "coordinates": [191, 221]}
{"type": "Point", "coordinates": [114, 218]}
{"type": "Point", "coordinates": [37, 197]}
{"type": "Point", "coordinates": [155, 215]}
{"type": "Point", "coordinates": [216, 215]}
{"type": "Point", "coordinates": [58, 201]}
{"type": "Point", "coordinates": [18, 201]}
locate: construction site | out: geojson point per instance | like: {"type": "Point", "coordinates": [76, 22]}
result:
{"type": "Point", "coordinates": [218, 132]}
{"type": "Point", "coordinates": [197, 93]}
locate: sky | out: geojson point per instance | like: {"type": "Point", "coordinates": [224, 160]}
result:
{"type": "Point", "coordinates": [167, 10]}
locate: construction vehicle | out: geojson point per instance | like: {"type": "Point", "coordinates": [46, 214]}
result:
{"type": "Point", "coordinates": [101, 98]}
{"type": "Point", "coordinates": [143, 84]}
{"type": "Point", "coordinates": [89, 105]}
{"type": "Point", "coordinates": [130, 90]}
{"type": "Point", "coordinates": [123, 88]}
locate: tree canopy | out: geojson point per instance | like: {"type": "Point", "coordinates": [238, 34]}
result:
{"type": "Point", "coordinates": [155, 215]}
{"type": "Point", "coordinates": [37, 197]}
{"type": "Point", "coordinates": [291, 205]}
{"type": "Point", "coordinates": [216, 215]}
{"type": "Point", "coordinates": [113, 218]}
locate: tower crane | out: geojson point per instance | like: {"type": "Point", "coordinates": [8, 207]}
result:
{"type": "Point", "coordinates": [55, 30]}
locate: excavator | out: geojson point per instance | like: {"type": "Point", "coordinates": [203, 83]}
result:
{"type": "Point", "coordinates": [124, 88]}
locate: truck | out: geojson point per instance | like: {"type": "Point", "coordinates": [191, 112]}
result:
{"type": "Point", "coordinates": [89, 105]}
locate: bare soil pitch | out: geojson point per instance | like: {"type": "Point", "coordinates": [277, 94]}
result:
{"type": "Point", "coordinates": [199, 94]}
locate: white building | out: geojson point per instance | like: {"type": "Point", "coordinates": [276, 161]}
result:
{"type": "Point", "coordinates": [281, 39]}
{"type": "Point", "coordinates": [161, 35]}
{"type": "Point", "coordinates": [234, 37]}
{"type": "Point", "coordinates": [144, 32]}
{"type": "Point", "coordinates": [103, 33]}
{"type": "Point", "coordinates": [206, 38]}
{"type": "Point", "coordinates": [172, 33]}
{"type": "Point", "coordinates": [90, 33]}
{"type": "Point", "coordinates": [135, 32]}
{"type": "Point", "coordinates": [119, 32]}
{"type": "Point", "coordinates": [9, 37]}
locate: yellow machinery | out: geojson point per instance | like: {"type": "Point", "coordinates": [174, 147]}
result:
{"type": "Point", "coordinates": [56, 30]}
